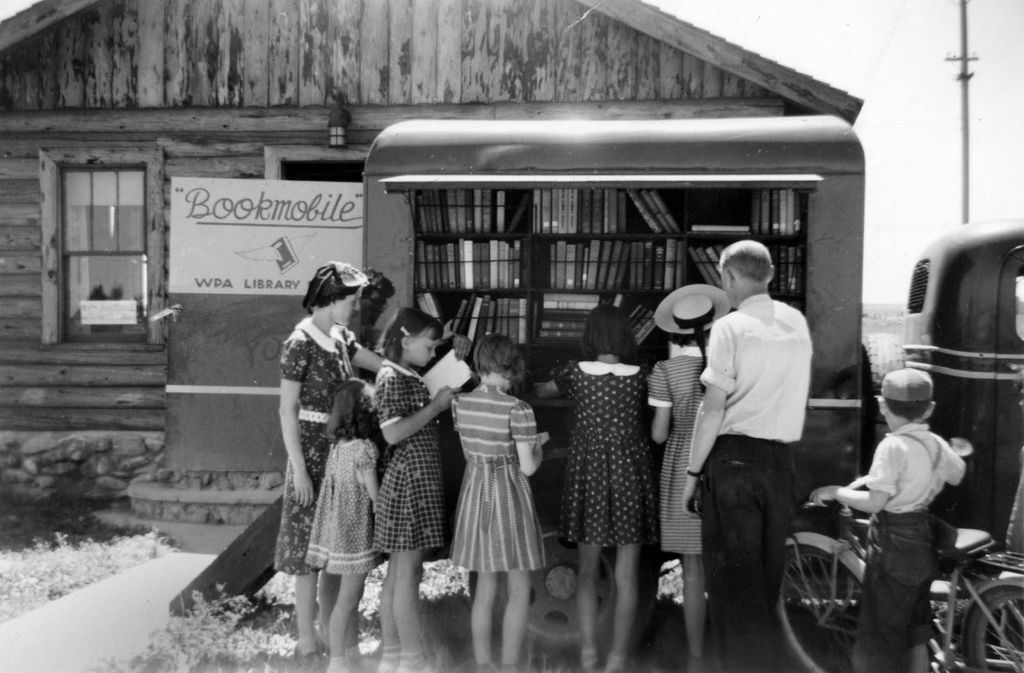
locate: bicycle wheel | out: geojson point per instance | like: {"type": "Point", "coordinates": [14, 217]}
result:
{"type": "Point", "coordinates": [996, 644]}
{"type": "Point", "coordinates": [818, 604]}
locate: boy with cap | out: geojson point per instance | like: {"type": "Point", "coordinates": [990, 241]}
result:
{"type": "Point", "coordinates": [910, 467]}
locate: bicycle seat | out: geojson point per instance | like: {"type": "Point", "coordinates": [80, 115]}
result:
{"type": "Point", "coordinates": [969, 541]}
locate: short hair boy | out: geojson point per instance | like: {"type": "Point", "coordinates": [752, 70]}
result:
{"type": "Point", "coordinates": [910, 467]}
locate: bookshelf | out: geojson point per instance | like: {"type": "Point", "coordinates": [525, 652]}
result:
{"type": "Point", "coordinates": [532, 262]}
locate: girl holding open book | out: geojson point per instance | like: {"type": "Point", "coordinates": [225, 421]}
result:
{"type": "Point", "coordinates": [409, 517]}
{"type": "Point", "coordinates": [609, 494]}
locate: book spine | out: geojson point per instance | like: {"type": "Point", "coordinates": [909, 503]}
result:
{"type": "Point", "coordinates": [642, 207]}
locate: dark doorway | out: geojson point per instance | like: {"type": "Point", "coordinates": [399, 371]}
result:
{"type": "Point", "coordinates": [322, 171]}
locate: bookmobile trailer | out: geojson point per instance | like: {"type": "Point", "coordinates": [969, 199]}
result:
{"type": "Point", "coordinates": [475, 196]}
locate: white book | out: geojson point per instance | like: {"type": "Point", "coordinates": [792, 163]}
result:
{"type": "Point", "coordinates": [466, 254]}
{"type": "Point", "coordinates": [448, 371]}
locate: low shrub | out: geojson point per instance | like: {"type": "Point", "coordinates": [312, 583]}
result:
{"type": "Point", "coordinates": [53, 568]}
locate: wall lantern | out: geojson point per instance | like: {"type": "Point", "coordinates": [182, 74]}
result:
{"type": "Point", "coordinates": [338, 120]}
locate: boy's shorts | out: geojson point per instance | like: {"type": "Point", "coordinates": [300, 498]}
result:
{"type": "Point", "coordinates": [895, 613]}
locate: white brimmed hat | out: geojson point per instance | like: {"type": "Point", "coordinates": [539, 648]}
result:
{"type": "Point", "coordinates": [691, 306]}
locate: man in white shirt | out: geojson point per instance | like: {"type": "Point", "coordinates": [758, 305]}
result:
{"type": "Point", "coordinates": [757, 382]}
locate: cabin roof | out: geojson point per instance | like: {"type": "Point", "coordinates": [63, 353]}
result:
{"type": "Point", "coordinates": [797, 88]}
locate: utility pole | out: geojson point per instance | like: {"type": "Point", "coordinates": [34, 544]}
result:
{"type": "Point", "coordinates": [964, 77]}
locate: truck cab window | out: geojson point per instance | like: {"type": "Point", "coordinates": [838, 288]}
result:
{"type": "Point", "coordinates": [1019, 315]}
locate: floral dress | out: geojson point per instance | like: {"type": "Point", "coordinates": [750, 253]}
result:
{"type": "Point", "coordinates": [410, 505]}
{"type": "Point", "coordinates": [675, 383]}
{"type": "Point", "coordinates": [609, 496]}
{"type": "Point", "coordinates": [496, 524]}
{"type": "Point", "coordinates": [321, 363]}
{"type": "Point", "coordinates": [342, 537]}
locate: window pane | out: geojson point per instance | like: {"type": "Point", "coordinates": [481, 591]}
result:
{"type": "Point", "coordinates": [104, 210]}
{"type": "Point", "coordinates": [106, 297]}
{"type": "Point", "coordinates": [130, 225]}
{"type": "Point", "coordinates": [77, 197]}
{"type": "Point", "coordinates": [1020, 305]}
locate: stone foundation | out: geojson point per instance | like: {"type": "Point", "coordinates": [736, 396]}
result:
{"type": "Point", "coordinates": [112, 465]}
{"type": "Point", "coordinates": [95, 464]}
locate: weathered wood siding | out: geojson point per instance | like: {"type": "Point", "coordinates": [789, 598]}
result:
{"type": "Point", "coordinates": [211, 82]}
{"type": "Point", "coordinates": [231, 53]}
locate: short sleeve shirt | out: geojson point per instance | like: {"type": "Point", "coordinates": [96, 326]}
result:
{"type": "Point", "coordinates": [760, 356]}
{"type": "Point", "coordinates": [902, 468]}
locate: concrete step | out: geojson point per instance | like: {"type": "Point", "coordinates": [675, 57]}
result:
{"type": "Point", "coordinates": [157, 501]}
{"type": "Point", "coordinates": [198, 538]}
{"type": "Point", "coordinates": [112, 619]}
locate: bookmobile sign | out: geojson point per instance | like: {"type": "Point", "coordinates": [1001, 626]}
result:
{"type": "Point", "coordinates": [260, 236]}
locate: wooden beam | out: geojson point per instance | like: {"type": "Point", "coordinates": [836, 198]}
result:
{"type": "Point", "coordinates": [20, 307]}
{"type": "Point", "coordinates": [786, 82]}
{"type": "Point", "coordinates": [84, 375]}
{"type": "Point", "coordinates": [83, 397]}
{"type": "Point", "coordinates": [19, 285]}
{"type": "Point", "coordinates": [24, 418]}
{"type": "Point", "coordinates": [100, 355]}
{"type": "Point", "coordinates": [243, 568]}
{"type": "Point", "coordinates": [195, 121]}
{"type": "Point", "coordinates": [36, 18]}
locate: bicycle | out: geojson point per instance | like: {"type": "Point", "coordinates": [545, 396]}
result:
{"type": "Point", "coordinates": [977, 602]}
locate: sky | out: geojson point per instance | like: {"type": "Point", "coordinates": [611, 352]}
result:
{"type": "Point", "coordinates": [892, 55]}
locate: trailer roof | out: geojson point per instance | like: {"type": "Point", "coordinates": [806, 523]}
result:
{"type": "Point", "coordinates": [780, 149]}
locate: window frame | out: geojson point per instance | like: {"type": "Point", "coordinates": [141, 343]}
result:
{"type": "Point", "coordinates": [52, 162]}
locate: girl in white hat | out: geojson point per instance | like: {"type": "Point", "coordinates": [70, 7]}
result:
{"type": "Point", "coordinates": [675, 393]}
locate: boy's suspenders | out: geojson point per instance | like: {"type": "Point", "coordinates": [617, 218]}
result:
{"type": "Point", "coordinates": [935, 459]}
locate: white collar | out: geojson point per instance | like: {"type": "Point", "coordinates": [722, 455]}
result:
{"type": "Point", "coordinates": [399, 368]}
{"type": "Point", "coordinates": [675, 351]}
{"type": "Point", "coordinates": [308, 327]}
{"type": "Point", "coordinates": [338, 332]}
{"type": "Point", "coordinates": [598, 368]}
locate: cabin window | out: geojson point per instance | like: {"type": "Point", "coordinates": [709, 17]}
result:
{"type": "Point", "coordinates": [104, 243]}
{"type": "Point", "coordinates": [103, 264]}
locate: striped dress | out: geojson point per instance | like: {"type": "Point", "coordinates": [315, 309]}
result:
{"type": "Point", "coordinates": [676, 383]}
{"type": "Point", "coordinates": [496, 524]}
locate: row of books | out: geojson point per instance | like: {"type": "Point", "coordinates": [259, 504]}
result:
{"type": "Point", "coordinates": [654, 211]}
{"type": "Point", "coordinates": [469, 264]}
{"type": "Point", "coordinates": [787, 259]}
{"type": "Point", "coordinates": [789, 269]}
{"type": "Point", "coordinates": [611, 265]}
{"type": "Point", "coordinates": [465, 211]}
{"type": "Point", "coordinates": [479, 314]}
{"type": "Point", "coordinates": [776, 212]}
{"type": "Point", "coordinates": [579, 211]}
{"type": "Point", "coordinates": [773, 211]}
{"type": "Point", "coordinates": [564, 316]}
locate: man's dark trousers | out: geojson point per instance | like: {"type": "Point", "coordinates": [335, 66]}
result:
{"type": "Point", "coordinates": [748, 504]}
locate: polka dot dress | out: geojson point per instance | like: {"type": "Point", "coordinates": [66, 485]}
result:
{"type": "Point", "coordinates": [609, 497]}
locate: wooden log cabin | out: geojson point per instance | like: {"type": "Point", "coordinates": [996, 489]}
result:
{"type": "Point", "coordinates": [132, 93]}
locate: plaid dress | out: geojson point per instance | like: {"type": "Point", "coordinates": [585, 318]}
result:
{"type": "Point", "coordinates": [496, 524]}
{"type": "Point", "coordinates": [410, 505]}
{"type": "Point", "coordinates": [321, 363]}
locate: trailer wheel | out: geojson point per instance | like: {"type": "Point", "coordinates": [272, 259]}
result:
{"type": "Point", "coordinates": [552, 619]}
